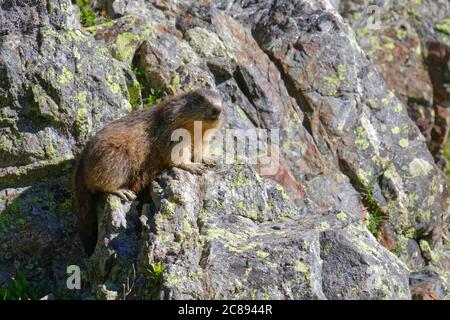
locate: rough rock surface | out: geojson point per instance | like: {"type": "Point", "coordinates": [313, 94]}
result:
{"type": "Point", "coordinates": [352, 159]}
{"type": "Point", "coordinates": [216, 245]}
{"type": "Point", "coordinates": [411, 48]}
{"type": "Point", "coordinates": [58, 85]}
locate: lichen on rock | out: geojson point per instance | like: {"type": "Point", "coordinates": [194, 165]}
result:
{"type": "Point", "coordinates": [357, 208]}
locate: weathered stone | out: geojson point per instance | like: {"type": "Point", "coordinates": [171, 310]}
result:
{"type": "Point", "coordinates": [58, 86]}
{"type": "Point", "coordinates": [411, 52]}
{"type": "Point", "coordinates": [349, 155]}
{"type": "Point", "coordinates": [215, 245]}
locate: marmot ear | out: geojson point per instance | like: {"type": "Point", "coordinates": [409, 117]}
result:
{"type": "Point", "coordinates": [190, 99]}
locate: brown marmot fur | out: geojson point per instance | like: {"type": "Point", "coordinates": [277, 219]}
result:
{"type": "Point", "coordinates": [125, 156]}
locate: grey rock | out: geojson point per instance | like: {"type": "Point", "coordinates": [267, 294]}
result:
{"type": "Point", "coordinates": [347, 151]}
{"type": "Point", "coordinates": [418, 77]}
{"type": "Point", "coordinates": [349, 111]}
{"type": "Point", "coordinates": [210, 250]}
{"type": "Point", "coordinates": [426, 285]}
{"type": "Point", "coordinates": [354, 269]}
{"type": "Point", "coordinates": [58, 86]}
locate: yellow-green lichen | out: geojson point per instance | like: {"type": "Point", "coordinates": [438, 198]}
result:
{"type": "Point", "coordinates": [173, 280]}
{"type": "Point", "coordinates": [335, 82]}
{"type": "Point", "coordinates": [113, 84]}
{"type": "Point", "coordinates": [50, 151]}
{"type": "Point", "coordinates": [398, 108]}
{"type": "Point", "coordinates": [341, 216]}
{"type": "Point", "coordinates": [45, 102]}
{"type": "Point", "coordinates": [419, 167]}
{"type": "Point", "coordinates": [404, 143]}
{"type": "Point", "coordinates": [73, 35]}
{"type": "Point", "coordinates": [82, 98]}
{"type": "Point", "coordinates": [412, 198]}
{"type": "Point", "coordinates": [265, 296]}
{"type": "Point", "coordinates": [326, 248]}
{"type": "Point", "coordinates": [304, 270]}
{"type": "Point", "coordinates": [425, 216]}
{"type": "Point", "coordinates": [114, 203]}
{"type": "Point", "coordinates": [83, 123]}
{"type": "Point", "coordinates": [324, 225]}
{"type": "Point", "coordinates": [402, 33]}
{"type": "Point", "coordinates": [284, 195]}
{"type": "Point", "coordinates": [134, 95]}
{"type": "Point", "coordinates": [240, 248]}
{"type": "Point", "coordinates": [390, 45]}
{"type": "Point", "coordinates": [206, 43]}
{"type": "Point", "coordinates": [169, 208]}
{"type": "Point", "coordinates": [426, 249]}
{"type": "Point", "coordinates": [395, 130]}
{"type": "Point", "coordinates": [125, 46]}
{"type": "Point", "coordinates": [444, 27]}
{"type": "Point", "coordinates": [218, 204]}
{"type": "Point", "coordinates": [430, 200]}
{"type": "Point", "coordinates": [372, 102]}
{"type": "Point", "coordinates": [262, 254]}
{"type": "Point", "coordinates": [65, 77]}
{"type": "Point", "coordinates": [361, 138]}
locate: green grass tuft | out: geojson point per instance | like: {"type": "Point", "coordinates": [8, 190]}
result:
{"type": "Point", "coordinates": [150, 96]}
{"type": "Point", "coordinates": [156, 272]}
{"type": "Point", "coordinates": [138, 72]}
{"type": "Point", "coordinates": [447, 156]}
{"type": "Point", "coordinates": [89, 17]}
{"type": "Point", "coordinates": [376, 214]}
{"type": "Point", "coordinates": [18, 289]}
{"type": "Point", "coordinates": [154, 97]}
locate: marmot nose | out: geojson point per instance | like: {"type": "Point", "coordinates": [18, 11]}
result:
{"type": "Point", "coordinates": [215, 112]}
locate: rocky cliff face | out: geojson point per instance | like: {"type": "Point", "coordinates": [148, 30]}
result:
{"type": "Point", "coordinates": [356, 210]}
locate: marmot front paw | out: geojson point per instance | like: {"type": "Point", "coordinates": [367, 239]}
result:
{"type": "Point", "coordinates": [125, 194]}
{"type": "Point", "coordinates": [195, 168]}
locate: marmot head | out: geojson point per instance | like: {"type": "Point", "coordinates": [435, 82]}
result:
{"type": "Point", "coordinates": [202, 105]}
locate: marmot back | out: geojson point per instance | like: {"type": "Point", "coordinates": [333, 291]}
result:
{"type": "Point", "coordinates": [125, 156]}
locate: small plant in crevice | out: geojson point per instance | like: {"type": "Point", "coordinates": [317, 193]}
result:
{"type": "Point", "coordinates": [397, 248]}
{"type": "Point", "coordinates": [18, 289]}
{"type": "Point", "coordinates": [376, 214]}
{"type": "Point", "coordinates": [150, 96]}
{"type": "Point", "coordinates": [129, 285]}
{"type": "Point", "coordinates": [139, 73]}
{"type": "Point", "coordinates": [447, 156]}
{"type": "Point", "coordinates": [154, 97]}
{"type": "Point", "coordinates": [89, 17]}
{"type": "Point", "coordinates": [156, 271]}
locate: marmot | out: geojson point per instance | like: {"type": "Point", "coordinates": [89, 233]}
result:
{"type": "Point", "coordinates": [125, 156]}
